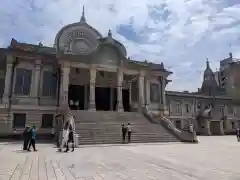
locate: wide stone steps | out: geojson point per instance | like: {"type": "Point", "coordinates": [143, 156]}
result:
{"type": "Point", "coordinates": [104, 127]}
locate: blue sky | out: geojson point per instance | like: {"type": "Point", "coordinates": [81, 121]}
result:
{"type": "Point", "coordinates": [180, 33]}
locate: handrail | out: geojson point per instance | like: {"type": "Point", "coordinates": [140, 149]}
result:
{"type": "Point", "coordinates": [183, 136]}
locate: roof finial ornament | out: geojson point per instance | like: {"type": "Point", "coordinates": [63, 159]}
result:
{"type": "Point", "coordinates": [207, 63]}
{"type": "Point", "coordinates": [83, 20]}
{"type": "Point", "coordinates": [109, 33]}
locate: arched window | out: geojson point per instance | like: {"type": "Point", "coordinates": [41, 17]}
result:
{"type": "Point", "coordinates": [49, 86]}
{"type": "Point", "coordinates": [23, 81]}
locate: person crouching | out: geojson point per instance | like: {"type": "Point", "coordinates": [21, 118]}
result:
{"type": "Point", "coordinates": [70, 139]}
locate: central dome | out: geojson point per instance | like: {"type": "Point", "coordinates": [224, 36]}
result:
{"type": "Point", "coordinates": [77, 38]}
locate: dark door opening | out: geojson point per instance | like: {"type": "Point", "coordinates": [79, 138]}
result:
{"type": "Point", "coordinates": [114, 100]}
{"type": "Point", "coordinates": [125, 98]}
{"type": "Point", "coordinates": [102, 98]}
{"type": "Point", "coordinates": [76, 97]}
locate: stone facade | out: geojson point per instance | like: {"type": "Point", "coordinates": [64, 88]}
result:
{"type": "Point", "coordinates": [81, 71]}
{"type": "Point", "coordinates": [86, 71]}
{"type": "Point", "coordinates": [211, 110]}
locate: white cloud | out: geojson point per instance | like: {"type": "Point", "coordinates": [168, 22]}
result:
{"type": "Point", "coordinates": [181, 33]}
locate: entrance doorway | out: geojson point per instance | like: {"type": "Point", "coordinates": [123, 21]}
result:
{"type": "Point", "coordinates": [102, 98]}
{"type": "Point", "coordinates": [126, 101]}
{"type": "Point", "coordinates": [76, 97]}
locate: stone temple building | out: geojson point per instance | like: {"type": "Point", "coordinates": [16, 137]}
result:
{"type": "Point", "coordinates": [92, 75]}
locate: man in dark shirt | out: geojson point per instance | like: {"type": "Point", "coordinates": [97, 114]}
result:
{"type": "Point", "coordinates": [238, 134]}
{"type": "Point", "coordinates": [33, 139]}
{"type": "Point", "coordinates": [26, 138]}
{"type": "Point", "coordinates": [124, 131]}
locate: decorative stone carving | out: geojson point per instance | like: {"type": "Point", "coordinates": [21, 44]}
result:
{"type": "Point", "coordinates": [77, 38]}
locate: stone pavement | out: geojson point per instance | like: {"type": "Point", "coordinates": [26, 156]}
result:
{"type": "Point", "coordinates": [214, 158]}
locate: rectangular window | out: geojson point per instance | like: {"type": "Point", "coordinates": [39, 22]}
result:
{"type": "Point", "coordinates": [47, 121]}
{"type": "Point", "coordinates": [187, 107]}
{"type": "Point", "coordinates": [178, 124]}
{"type": "Point", "coordinates": [178, 109]}
{"type": "Point", "coordinates": [23, 81]}
{"type": "Point", "coordinates": [49, 86]}
{"type": "Point", "coordinates": [154, 93]}
{"type": "Point", "coordinates": [19, 120]}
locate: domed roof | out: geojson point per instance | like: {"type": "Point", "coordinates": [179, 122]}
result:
{"type": "Point", "coordinates": [209, 85]}
{"type": "Point", "coordinates": [208, 71]}
{"type": "Point", "coordinates": [110, 41]}
{"type": "Point", "coordinates": [77, 38]}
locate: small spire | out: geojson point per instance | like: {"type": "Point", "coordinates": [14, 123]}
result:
{"type": "Point", "coordinates": [83, 20]}
{"type": "Point", "coordinates": [109, 33]}
{"type": "Point", "coordinates": [207, 64]}
{"type": "Point", "coordinates": [230, 55]}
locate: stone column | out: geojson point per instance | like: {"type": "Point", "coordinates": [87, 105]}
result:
{"type": "Point", "coordinates": [163, 97]}
{"type": "Point", "coordinates": [65, 84]}
{"type": "Point", "coordinates": [36, 81]}
{"type": "Point", "coordinates": [119, 90]}
{"type": "Point", "coordinates": [111, 98]}
{"type": "Point", "coordinates": [207, 128]}
{"type": "Point", "coordinates": [140, 91]}
{"type": "Point", "coordinates": [221, 127]}
{"type": "Point", "coordinates": [85, 96]}
{"type": "Point", "coordinates": [130, 94]}
{"type": "Point", "coordinates": [92, 89]}
{"type": "Point", "coordinates": [8, 82]}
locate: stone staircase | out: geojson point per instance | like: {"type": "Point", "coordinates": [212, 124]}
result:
{"type": "Point", "coordinates": [104, 127]}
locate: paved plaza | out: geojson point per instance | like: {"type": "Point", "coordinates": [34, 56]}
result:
{"type": "Point", "coordinates": [214, 158]}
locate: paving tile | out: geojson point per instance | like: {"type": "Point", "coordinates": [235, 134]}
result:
{"type": "Point", "coordinates": [213, 158]}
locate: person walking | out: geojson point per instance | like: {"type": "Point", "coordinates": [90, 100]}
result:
{"type": "Point", "coordinates": [70, 139]}
{"type": "Point", "coordinates": [64, 137]}
{"type": "Point", "coordinates": [26, 138]}
{"type": "Point", "coordinates": [124, 131]}
{"type": "Point", "coordinates": [129, 130]}
{"type": "Point", "coordinates": [33, 139]}
{"type": "Point", "coordinates": [238, 134]}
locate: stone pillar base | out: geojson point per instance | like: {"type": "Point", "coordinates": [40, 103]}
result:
{"type": "Point", "coordinates": [92, 106]}
{"type": "Point", "coordinates": [120, 107]}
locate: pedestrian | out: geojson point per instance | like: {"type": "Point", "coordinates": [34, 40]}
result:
{"type": "Point", "coordinates": [129, 130]}
{"type": "Point", "coordinates": [124, 131]}
{"type": "Point", "coordinates": [33, 139]}
{"type": "Point", "coordinates": [70, 139]}
{"type": "Point", "coordinates": [64, 137]}
{"type": "Point", "coordinates": [238, 134]}
{"type": "Point", "coordinates": [26, 138]}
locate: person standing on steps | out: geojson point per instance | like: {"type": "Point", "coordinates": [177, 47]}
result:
{"type": "Point", "coordinates": [238, 134]}
{"type": "Point", "coordinates": [129, 130]}
{"type": "Point", "coordinates": [124, 131]}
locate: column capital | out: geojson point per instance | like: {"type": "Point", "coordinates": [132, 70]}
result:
{"type": "Point", "coordinates": [65, 64]}
{"type": "Point", "coordinates": [142, 73]}
{"type": "Point", "coordinates": [38, 64]}
{"type": "Point", "coordinates": [10, 59]}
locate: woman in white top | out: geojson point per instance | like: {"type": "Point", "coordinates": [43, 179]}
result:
{"type": "Point", "coordinates": [129, 130]}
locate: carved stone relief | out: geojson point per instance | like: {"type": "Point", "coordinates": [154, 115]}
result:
{"type": "Point", "coordinates": [77, 40]}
